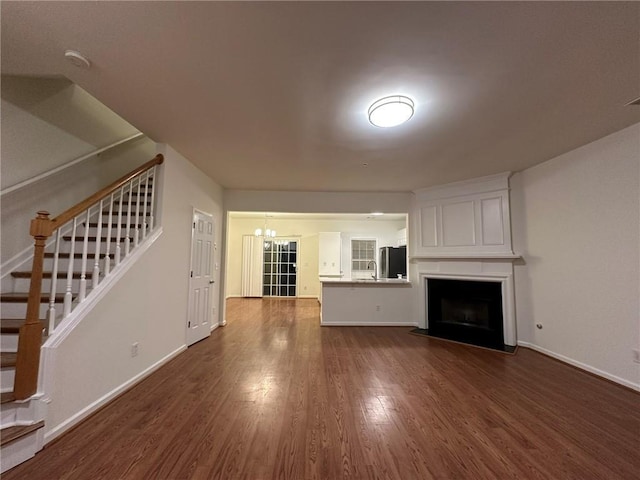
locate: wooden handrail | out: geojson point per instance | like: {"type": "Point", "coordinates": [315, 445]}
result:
{"type": "Point", "coordinates": [42, 227]}
{"type": "Point", "coordinates": [105, 192]}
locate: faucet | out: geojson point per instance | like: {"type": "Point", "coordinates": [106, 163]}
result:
{"type": "Point", "coordinates": [374, 275]}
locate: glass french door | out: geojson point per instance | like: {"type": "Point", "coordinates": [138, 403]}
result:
{"type": "Point", "coordinates": [280, 277]}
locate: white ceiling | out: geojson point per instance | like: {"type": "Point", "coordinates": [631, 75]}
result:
{"type": "Point", "coordinates": [273, 96]}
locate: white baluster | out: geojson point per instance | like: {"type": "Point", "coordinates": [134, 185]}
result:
{"type": "Point", "coordinates": [95, 276]}
{"type": "Point", "coordinates": [119, 227]}
{"type": "Point", "coordinates": [85, 248]}
{"type": "Point", "coordinates": [136, 236]}
{"type": "Point", "coordinates": [107, 257]}
{"type": "Point", "coordinates": [153, 170]}
{"type": "Point", "coordinates": [51, 314]}
{"type": "Point", "coordinates": [68, 296]}
{"type": "Point", "coordinates": [127, 239]}
{"type": "Point", "coordinates": [144, 207]}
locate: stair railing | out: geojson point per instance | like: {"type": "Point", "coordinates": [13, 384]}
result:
{"type": "Point", "coordinates": [112, 198]}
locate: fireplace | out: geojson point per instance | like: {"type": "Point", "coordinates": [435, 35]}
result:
{"type": "Point", "coordinates": [467, 311]}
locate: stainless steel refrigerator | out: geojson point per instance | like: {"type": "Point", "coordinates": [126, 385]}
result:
{"type": "Point", "coordinates": [393, 262]}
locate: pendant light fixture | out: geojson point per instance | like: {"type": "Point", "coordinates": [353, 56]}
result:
{"type": "Point", "coordinates": [268, 233]}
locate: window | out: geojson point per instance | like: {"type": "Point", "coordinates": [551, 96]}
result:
{"type": "Point", "coordinates": [362, 253]}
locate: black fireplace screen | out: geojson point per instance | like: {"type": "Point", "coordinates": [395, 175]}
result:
{"type": "Point", "coordinates": [466, 311]}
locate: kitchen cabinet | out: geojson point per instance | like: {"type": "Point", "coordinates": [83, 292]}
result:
{"type": "Point", "coordinates": [329, 254]}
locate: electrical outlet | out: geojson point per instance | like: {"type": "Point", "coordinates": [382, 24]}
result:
{"type": "Point", "coordinates": [213, 310]}
{"type": "Point", "coordinates": [636, 355]}
{"type": "Point", "coordinates": [134, 349]}
{"type": "Point", "coordinates": [377, 308]}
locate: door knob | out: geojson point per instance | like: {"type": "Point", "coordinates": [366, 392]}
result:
{"type": "Point", "coordinates": [211, 281]}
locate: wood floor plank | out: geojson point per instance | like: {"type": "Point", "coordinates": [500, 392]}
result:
{"type": "Point", "coordinates": [272, 395]}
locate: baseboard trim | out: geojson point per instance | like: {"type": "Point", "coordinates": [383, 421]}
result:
{"type": "Point", "coordinates": [582, 366]}
{"type": "Point", "coordinates": [105, 399]}
{"type": "Point", "coordinates": [368, 324]}
{"type": "Point", "coordinates": [314, 297]}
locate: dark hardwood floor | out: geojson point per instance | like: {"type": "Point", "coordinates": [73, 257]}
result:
{"type": "Point", "coordinates": [274, 396]}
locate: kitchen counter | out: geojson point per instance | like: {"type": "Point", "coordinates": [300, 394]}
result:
{"type": "Point", "coordinates": [365, 281]}
{"type": "Point", "coordinates": [380, 302]}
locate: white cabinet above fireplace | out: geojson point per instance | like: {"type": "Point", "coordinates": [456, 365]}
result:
{"type": "Point", "coordinates": [467, 219]}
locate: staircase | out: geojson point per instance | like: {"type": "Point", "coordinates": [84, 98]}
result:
{"type": "Point", "coordinates": [88, 243]}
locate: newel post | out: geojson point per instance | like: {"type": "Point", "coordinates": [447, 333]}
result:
{"type": "Point", "coordinates": [30, 339]}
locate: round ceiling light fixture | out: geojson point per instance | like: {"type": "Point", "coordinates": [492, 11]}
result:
{"type": "Point", "coordinates": [391, 111]}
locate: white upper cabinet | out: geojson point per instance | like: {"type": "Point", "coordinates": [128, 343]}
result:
{"type": "Point", "coordinates": [329, 254]}
{"type": "Point", "coordinates": [469, 218]}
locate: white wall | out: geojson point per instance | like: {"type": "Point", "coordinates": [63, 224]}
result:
{"type": "Point", "coordinates": [61, 191]}
{"type": "Point", "coordinates": [576, 221]}
{"type": "Point", "coordinates": [306, 229]}
{"type": "Point", "coordinates": [47, 123]}
{"type": "Point", "coordinates": [148, 306]}
{"type": "Point", "coordinates": [316, 202]}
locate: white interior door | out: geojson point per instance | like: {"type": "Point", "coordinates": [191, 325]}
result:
{"type": "Point", "coordinates": [201, 281]}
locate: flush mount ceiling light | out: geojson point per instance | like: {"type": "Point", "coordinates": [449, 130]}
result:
{"type": "Point", "coordinates": [77, 59]}
{"type": "Point", "coordinates": [391, 111]}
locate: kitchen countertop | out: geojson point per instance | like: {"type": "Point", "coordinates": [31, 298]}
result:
{"type": "Point", "coordinates": [365, 281]}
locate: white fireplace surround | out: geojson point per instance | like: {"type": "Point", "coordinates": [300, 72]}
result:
{"type": "Point", "coordinates": [504, 278]}
{"type": "Point", "coordinates": [462, 231]}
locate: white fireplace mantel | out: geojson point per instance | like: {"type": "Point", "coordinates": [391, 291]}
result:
{"type": "Point", "coordinates": [462, 231]}
{"type": "Point", "coordinates": [462, 220]}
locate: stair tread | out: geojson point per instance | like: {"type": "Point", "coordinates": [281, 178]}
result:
{"type": "Point", "coordinates": [80, 238]}
{"type": "Point", "coordinates": [115, 213]}
{"type": "Point", "coordinates": [11, 325]}
{"type": "Point", "coordinates": [10, 434]}
{"type": "Point", "coordinates": [6, 397]}
{"type": "Point", "coordinates": [8, 359]}
{"type": "Point", "coordinates": [27, 274]}
{"type": "Point", "coordinates": [22, 297]}
{"type": "Point", "coordinates": [67, 255]}
{"type": "Point", "coordinates": [133, 203]}
{"type": "Point", "coordinates": [115, 225]}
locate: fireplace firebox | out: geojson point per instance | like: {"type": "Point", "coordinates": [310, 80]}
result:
{"type": "Point", "coordinates": [466, 311]}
